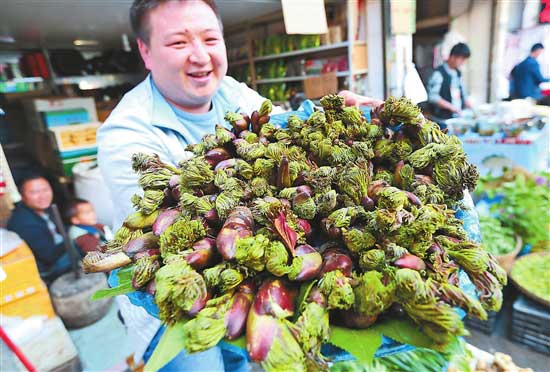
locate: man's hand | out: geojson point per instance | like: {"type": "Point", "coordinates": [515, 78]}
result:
{"type": "Point", "coordinates": [353, 99]}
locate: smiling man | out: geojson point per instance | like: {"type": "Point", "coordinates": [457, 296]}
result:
{"type": "Point", "coordinates": [183, 98]}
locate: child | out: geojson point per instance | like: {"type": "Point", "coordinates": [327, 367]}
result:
{"type": "Point", "coordinates": [85, 232]}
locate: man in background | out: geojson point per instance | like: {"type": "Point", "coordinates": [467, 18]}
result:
{"type": "Point", "coordinates": [526, 76]}
{"type": "Point", "coordinates": [446, 91]}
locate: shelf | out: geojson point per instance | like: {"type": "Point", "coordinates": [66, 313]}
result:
{"type": "Point", "coordinates": [289, 79]}
{"type": "Point", "coordinates": [31, 79]}
{"type": "Point", "coordinates": [238, 62]}
{"type": "Point", "coordinates": [14, 96]}
{"type": "Point", "coordinates": [322, 48]}
{"type": "Point", "coordinates": [99, 81]}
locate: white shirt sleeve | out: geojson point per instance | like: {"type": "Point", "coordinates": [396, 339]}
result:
{"type": "Point", "coordinates": [434, 86]}
{"type": "Point", "coordinates": [250, 100]}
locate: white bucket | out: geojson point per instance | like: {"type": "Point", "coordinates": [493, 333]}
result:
{"type": "Point", "coordinates": [89, 185]}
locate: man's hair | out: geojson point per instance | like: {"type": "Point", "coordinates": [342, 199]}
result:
{"type": "Point", "coordinates": [140, 9]}
{"type": "Point", "coordinates": [27, 178]}
{"type": "Point", "coordinates": [72, 208]}
{"type": "Point", "coordinates": [460, 50]}
{"type": "Point", "coordinates": [536, 47]}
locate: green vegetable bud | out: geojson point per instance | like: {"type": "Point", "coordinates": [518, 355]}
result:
{"type": "Point", "coordinates": [203, 333]}
{"type": "Point", "coordinates": [410, 286]}
{"type": "Point", "coordinates": [142, 162]}
{"type": "Point", "coordinates": [265, 108]}
{"type": "Point", "coordinates": [225, 203]}
{"type": "Point", "coordinates": [144, 270]}
{"type": "Point", "coordinates": [198, 173]}
{"type": "Point", "coordinates": [375, 259]}
{"type": "Point", "coordinates": [351, 116]}
{"type": "Point", "coordinates": [312, 330]}
{"type": "Point", "coordinates": [317, 119]}
{"type": "Point", "coordinates": [337, 289]}
{"type": "Point", "coordinates": [180, 236]}
{"type": "Point", "coordinates": [332, 102]}
{"type": "Point", "coordinates": [267, 130]}
{"type": "Point", "coordinates": [326, 202]}
{"type": "Point", "coordinates": [264, 168]}
{"type": "Point", "coordinates": [178, 290]}
{"type": "Point", "coordinates": [150, 201]}
{"type": "Point", "coordinates": [244, 169]}
{"type": "Point", "coordinates": [358, 240]}
{"type": "Point", "coordinates": [304, 206]}
{"type": "Point", "coordinates": [223, 135]}
{"type": "Point", "coordinates": [456, 297]}
{"type": "Point", "coordinates": [400, 110]}
{"type": "Point", "coordinates": [294, 123]}
{"type": "Point", "coordinates": [362, 150]}
{"type": "Point", "coordinates": [260, 186]}
{"type": "Point", "coordinates": [155, 179]}
{"type": "Point", "coordinates": [249, 137]}
{"type": "Point", "coordinates": [230, 278]}
{"type": "Point", "coordinates": [276, 256]}
{"type": "Point", "coordinates": [372, 296]}
{"type": "Point", "coordinates": [250, 251]}
{"type": "Point", "coordinates": [249, 151]}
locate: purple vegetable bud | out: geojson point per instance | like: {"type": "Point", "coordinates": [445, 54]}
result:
{"type": "Point", "coordinates": [335, 259]}
{"type": "Point", "coordinates": [216, 155]}
{"type": "Point", "coordinates": [203, 253]}
{"type": "Point", "coordinates": [306, 227]}
{"type": "Point", "coordinates": [367, 203]}
{"type": "Point", "coordinates": [143, 243]}
{"type": "Point", "coordinates": [410, 261]}
{"type": "Point", "coordinates": [165, 219]}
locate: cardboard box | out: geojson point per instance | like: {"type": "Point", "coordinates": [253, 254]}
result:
{"type": "Point", "coordinates": [27, 303]}
{"type": "Point", "coordinates": [335, 34]}
{"type": "Point", "coordinates": [21, 275]}
{"type": "Point", "coordinates": [49, 347]}
{"type": "Point", "coordinates": [359, 57]}
{"type": "Point", "coordinates": [319, 86]}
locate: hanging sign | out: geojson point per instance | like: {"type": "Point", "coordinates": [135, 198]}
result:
{"type": "Point", "coordinates": [305, 16]}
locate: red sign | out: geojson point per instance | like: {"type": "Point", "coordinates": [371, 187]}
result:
{"type": "Point", "coordinates": [544, 16]}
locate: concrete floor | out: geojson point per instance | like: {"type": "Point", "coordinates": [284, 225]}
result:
{"type": "Point", "coordinates": [104, 345]}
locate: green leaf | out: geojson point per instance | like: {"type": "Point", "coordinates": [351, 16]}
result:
{"type": "Point", "coordinates": [405, 332]}
{"type": "Point", "coordinates": [124, 285]}
{"type": "Point", "coordinates": [305, 288]}
{"type": "Point", "coordinates": [239, 342]}
{"type": "Point", "coordinates": [361, 343]}
{"type": "Point", "coordinates": [170, 345]}
{"type": "Point", "coordinates": [111, 292]}
{"type": "Point", "coordinates": [125, 274]}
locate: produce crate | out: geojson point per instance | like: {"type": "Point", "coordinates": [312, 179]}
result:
{"type": "Point", "coordinates": [485, 326]}
{"type": "Point", "coordinates": [531, 324]}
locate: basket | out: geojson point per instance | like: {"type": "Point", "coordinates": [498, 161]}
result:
{"type": "Point", "coordinates": [526, 291]}
{"type": "Point", "coordinates": [506, 261]}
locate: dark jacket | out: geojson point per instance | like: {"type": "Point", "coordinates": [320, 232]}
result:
{"type": "Point", "coordinates": [445, 93]}
{"type": "Point", "coordinates": [526, 78]}
{"type": "Point", "coordinates": [34, 231]}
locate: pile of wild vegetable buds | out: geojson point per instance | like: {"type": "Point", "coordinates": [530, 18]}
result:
{"type": "Point", "coordinates": [272, 232]}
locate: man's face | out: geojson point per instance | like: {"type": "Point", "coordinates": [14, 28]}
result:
{"type": "Point", "coordinates": [85, 215]}
{"type": "Point", "coordinates": [186, 53]}
{"type": "Point", "coordinates": [536, 54]}
{"type": "Point", "coordinates": [37, 194]}
{"type": "Point", "coordinates": [456, 61]}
